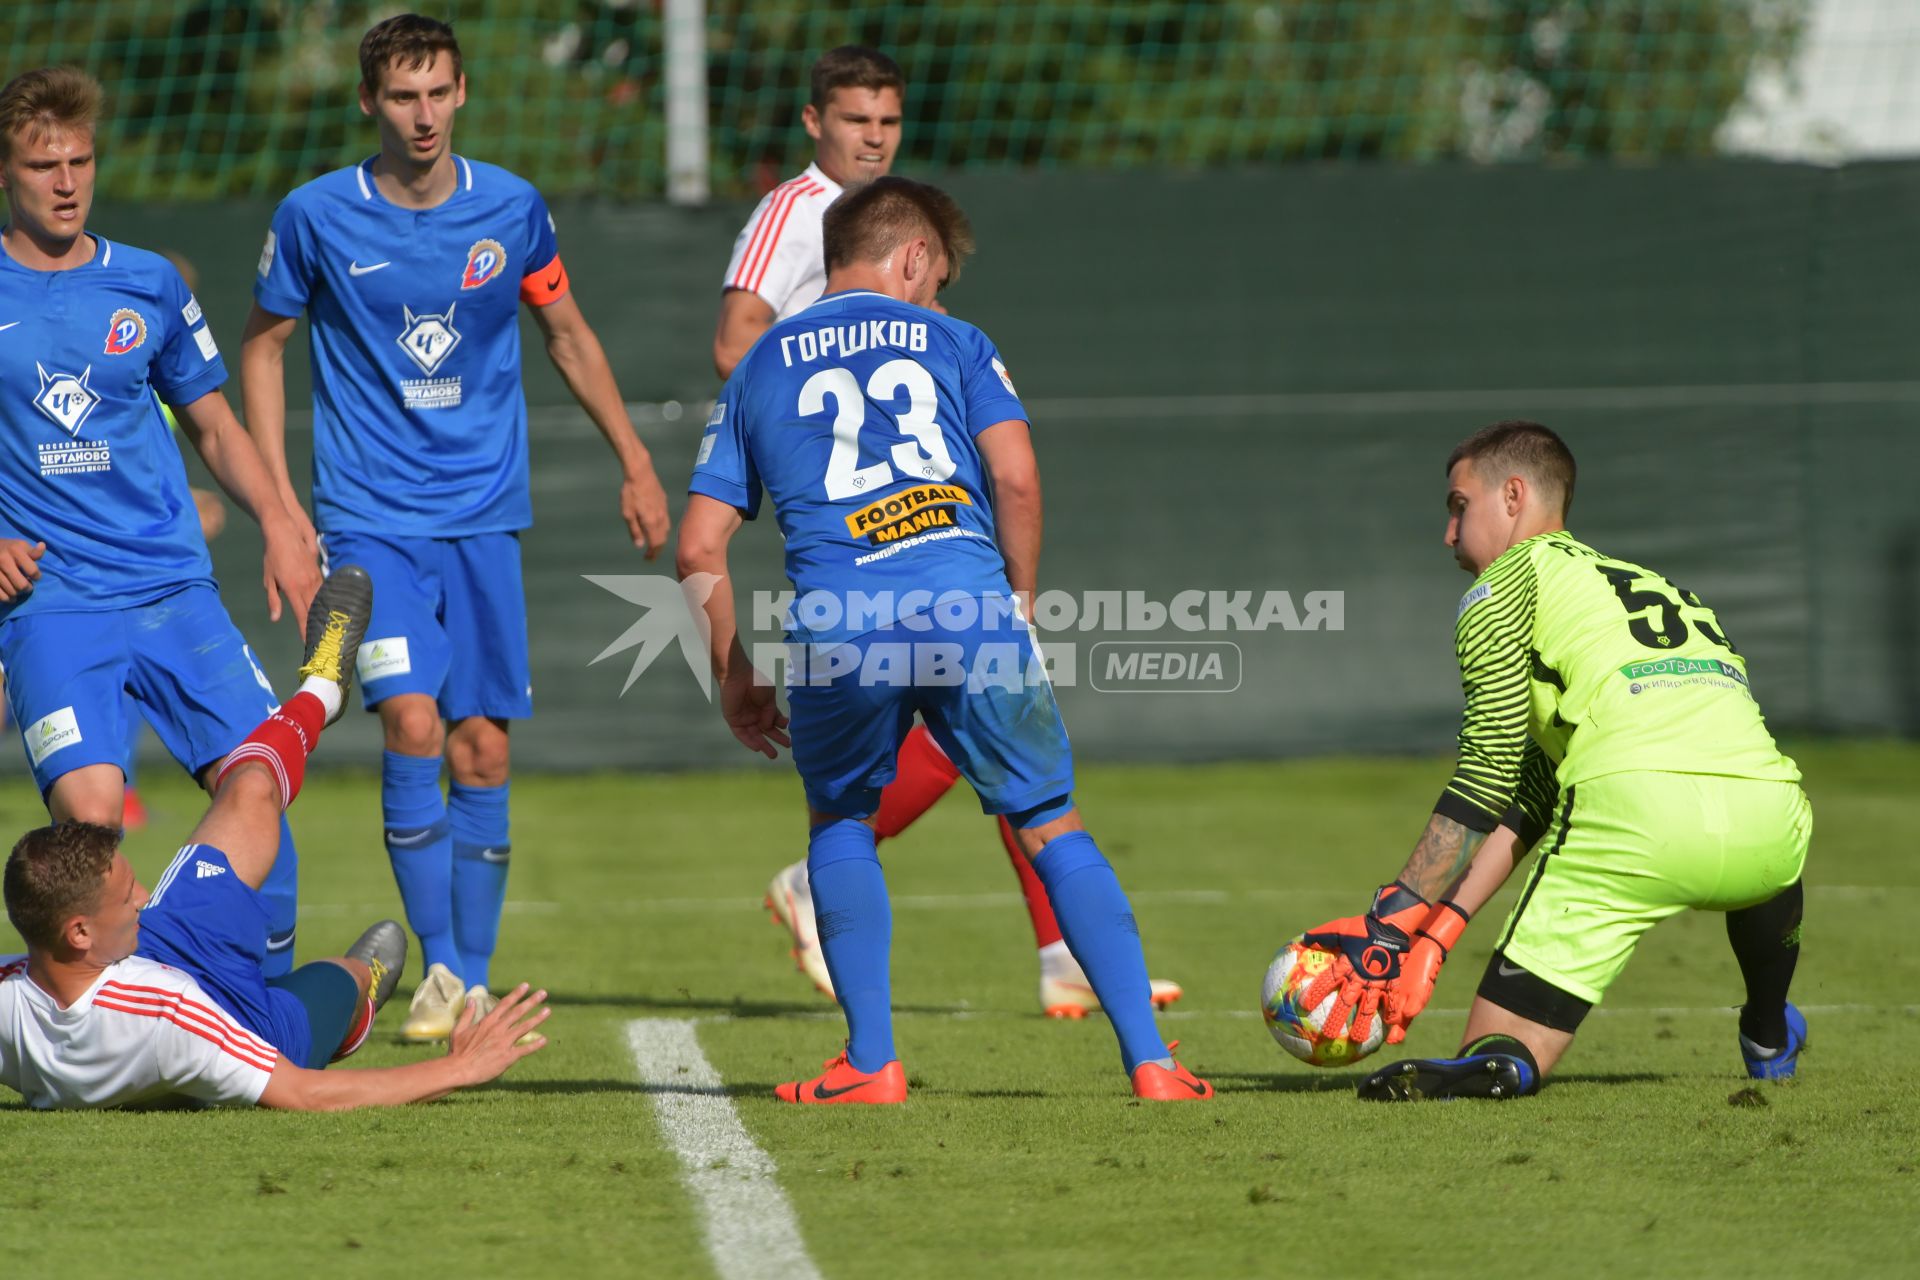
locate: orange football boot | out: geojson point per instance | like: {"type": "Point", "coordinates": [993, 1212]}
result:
{"type": "Point", "coordinates": [1157, 1084]}
{"type": "Point", "coordinates": [842, 1083]}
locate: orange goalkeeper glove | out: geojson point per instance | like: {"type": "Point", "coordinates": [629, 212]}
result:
{"type": "Point", "coordinates": [1369, 950]}
{"type": "Point", "coordinates": [1408, 994]}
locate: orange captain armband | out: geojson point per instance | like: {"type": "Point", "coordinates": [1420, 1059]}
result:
{"type": "Point", "coordinates": [545, 286]}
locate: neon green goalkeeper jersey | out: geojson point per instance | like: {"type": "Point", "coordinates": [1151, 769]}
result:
{"type": "Point", "coordinates": [1576, 666]}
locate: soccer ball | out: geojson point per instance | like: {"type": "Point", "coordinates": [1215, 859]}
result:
{"type": "Point", "coordinates": [1302, 1031]}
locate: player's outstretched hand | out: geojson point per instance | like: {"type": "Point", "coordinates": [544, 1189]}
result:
{"type": "Point", "coordinates": [753, 712]}
{"type": "Point", "coordinates": [289, 568]}
{"type": "Point", "coordinates": [643, 505]}
{"type": "Point", "coordinates": [18, 567]}
{"type": "Point", "coordinates": [1408, 994]}
{"type": "Point", "coordinates": [1370, 949]}
{"type": "Point", "coordinates": [487, 1046]}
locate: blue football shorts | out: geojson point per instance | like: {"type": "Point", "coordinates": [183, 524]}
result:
{"type": "Point", "coordinates": [180, 657]}
{"type": "Point", "coordinates": [204, 920]}
{"type": "Point", "coordinates": [449, 621]}
{"type": "Point", "coordinates": [972, 670]}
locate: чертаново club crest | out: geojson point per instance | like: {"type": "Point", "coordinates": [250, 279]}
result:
{"type": "Point", "coordinates": [487, 259]}
{"type": "Point", "coordinates": [127, 330]}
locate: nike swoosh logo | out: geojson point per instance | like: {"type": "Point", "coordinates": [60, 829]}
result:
{"type": "Point", "coordinates": [824, 1092]}
{"type": "Point", "coordinates": [405, 838]}
{"type": "Point", "coordinates": [494, 855]}
{"type": "Point", "coordinates": [1509, 971]}
{"type": "Point", "coordinates": [552, 284]}
{"type": "Point", "coordinates": [355, 269]}
{"type": "Point", "coordinates": [8, 325]}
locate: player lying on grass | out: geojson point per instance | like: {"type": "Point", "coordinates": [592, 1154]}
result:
{"type": "Point", "coordinates": [853, 115]}
{"type": "Point", "coordinates": [125, 997]}
{"type": "Point", "coordinates": [916, 571]}
{"type": "Point", "coordinates": [1609, 720]}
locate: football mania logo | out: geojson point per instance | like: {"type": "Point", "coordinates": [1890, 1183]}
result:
{"type": "Point", "coordinates": [487, 259]}
{"type": "Point", "coordinates": [125, 331]}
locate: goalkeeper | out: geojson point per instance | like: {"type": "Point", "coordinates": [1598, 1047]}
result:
{"type": "Point", "coordinates": [1609, 721]}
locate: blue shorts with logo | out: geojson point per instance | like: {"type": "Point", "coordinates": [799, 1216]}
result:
{"type": "Point", "coordinates": [180, 657]}
{"type": "Point", "coordinates": [973, 674]}
{"type": "Point", "coordinates": [204, 920]}
{"type": "Point", "coordinates": [449, 621]}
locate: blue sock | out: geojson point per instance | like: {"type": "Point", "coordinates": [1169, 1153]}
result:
{"type": "Point", "coordinates": [480, 847]}
{"type": "Point", "coordinates": [1097, 921]}
{"type": "Point", "coordinates": [281, 889]}
{"type": "Point", "coordinates": [420, 847]}
{"type": "Point", "coordinates": [856, 931]}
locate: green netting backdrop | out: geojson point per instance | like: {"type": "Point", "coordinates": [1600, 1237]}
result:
{"type": "Point", "coordinates": [248, 97]}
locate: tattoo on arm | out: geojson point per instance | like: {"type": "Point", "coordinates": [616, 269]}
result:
{"type": "Point", "coordinates": [1442, 853]}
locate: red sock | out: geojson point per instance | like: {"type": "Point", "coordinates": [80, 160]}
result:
{"type": "Point", "coordinates": [357, 1033]}
{"type": "Point", "coordinates": [922, 774]}
{"type": "Point", "coordinates": [1046, 930]}
{"type": "Point", "coordinates": [282, 742]}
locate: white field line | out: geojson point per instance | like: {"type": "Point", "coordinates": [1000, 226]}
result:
{"type": "Point", "coordinates": [956, 901]}
{"type": "Point", "coordinates": [748, 1222]}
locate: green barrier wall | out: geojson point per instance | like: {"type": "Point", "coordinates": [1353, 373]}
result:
{"type": "Point", "coordinates": [1250, 382]}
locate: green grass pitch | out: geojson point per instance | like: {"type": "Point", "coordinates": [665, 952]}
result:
{"type": "Point", "coordinates": [1020, 1152]}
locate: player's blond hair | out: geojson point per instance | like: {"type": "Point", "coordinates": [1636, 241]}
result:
{"type": "Point", "coordinates": [870, 222]}
{"type": "Point", "coordinates": [1519, 447]}
{"type": "Point", "coordinates": [54, 874]}
{"type": "Point", "coordinates": [37, 102]}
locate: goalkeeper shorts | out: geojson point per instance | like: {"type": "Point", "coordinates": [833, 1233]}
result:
{"type": "Point", "coordinates": [1627, 850]}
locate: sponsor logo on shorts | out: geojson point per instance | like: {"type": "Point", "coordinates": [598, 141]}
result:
{"type": "Point", "coordinates": [381, 658]}
{"type": "Point", "coordinates": [65, 398]}
{"type": "Point", "coordinates": [485, 260]}
{"type": "Point", "coordinates": [908, 512]}
{"type": "Point", "coordinates": [52, 732]}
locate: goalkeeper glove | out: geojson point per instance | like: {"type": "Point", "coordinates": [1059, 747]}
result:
{"type": "Point", "coordinates": [1408, 994]}
{"type": "Point", "coordinates": [1370, 949]}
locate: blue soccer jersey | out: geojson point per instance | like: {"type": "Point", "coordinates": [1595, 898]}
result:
{"type": "Point", "coordinates": [858, 417]}
{"type": "Point", "coordinates": [419, 420]}
{"type": "Point", "coordinates": [90, 466]}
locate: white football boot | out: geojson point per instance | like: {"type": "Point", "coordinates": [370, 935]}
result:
{"type": "Point", "coordinates": [791, 902]}
{"type": "Point", "coordinates": [437, 1005]}
{"type": "Point", "coordinates": [480, 998]}
{"type": "Point", "coordinates": [1066, 993]}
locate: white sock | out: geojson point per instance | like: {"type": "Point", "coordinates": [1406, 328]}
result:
{"type": "Point", "coordinates": [1057, 962]}
{"type": "Point", "coordinates": [328, 691]}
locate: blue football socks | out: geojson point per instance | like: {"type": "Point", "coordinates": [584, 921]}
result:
{"type": "Point", "coordinates": [1097, 922]}
{"type": "Point", "coordinates": [420, 847]}
{"type": "Point", "coordinates": [478, 816]}
{"type": "Point", "coordinates": [856, 931]}
{"type": "Point", "coordinates": [281, 889]}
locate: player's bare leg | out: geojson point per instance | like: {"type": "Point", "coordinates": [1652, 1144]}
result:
{"type": "Point", "coordinates": [92, 793]}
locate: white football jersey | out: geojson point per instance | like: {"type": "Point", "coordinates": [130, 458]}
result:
{"type": "Point", "coordinates": [143, 1031]}
{"type": "Point", "coordinates": [779, 253]}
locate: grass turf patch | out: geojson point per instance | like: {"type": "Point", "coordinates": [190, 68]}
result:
{"type": "Point", "coordinates": [1020, 1150]}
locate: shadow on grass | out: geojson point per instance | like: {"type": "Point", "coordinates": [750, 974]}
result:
{"type": "Point", "coordinates": [732, 1006]}
{"type": "Point", "coordinates": [1279, 1082]}
{"type": "Point", "coordinates": [732, 1089]}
